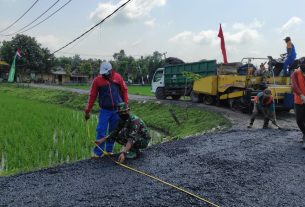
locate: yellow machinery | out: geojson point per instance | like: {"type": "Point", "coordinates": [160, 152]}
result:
{"type": "Point", "coordinates": [238, 90]}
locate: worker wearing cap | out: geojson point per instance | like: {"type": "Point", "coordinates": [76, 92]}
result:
{"type": "Point", "coordinates": [264, 103]}
{"type": "Point", "coordinates": [110, 88]}
{"type": "Point", "coordinates": [291, 56]}
{"type": "Point", "coordinates": [131, 132]}
{"type": "Point", "coordinates": [298, 87]}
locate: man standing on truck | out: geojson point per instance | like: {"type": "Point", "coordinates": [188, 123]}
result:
{"type": "Point", "coordinates": [111, 90]}
{"type": "Point", "coordinates": [291, 56]}
{"type": "Point", "coordinates": [264, 103]}
{"type": "Point", "coordinates": [298, 87]}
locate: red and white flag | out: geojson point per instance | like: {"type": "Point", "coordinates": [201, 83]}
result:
{"type": "Point", "coordinates": [18, 53]}
{"type": "Point", "coordinates": [222, 45]}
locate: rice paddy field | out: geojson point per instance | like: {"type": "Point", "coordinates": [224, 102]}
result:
{"type": "Point", "coordinates": [40, 128]}
{"type": "Point", "coordinates": [35, 135]}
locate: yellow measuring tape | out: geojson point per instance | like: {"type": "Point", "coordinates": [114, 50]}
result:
{"type": "Point", "coordinates": [153, 177]}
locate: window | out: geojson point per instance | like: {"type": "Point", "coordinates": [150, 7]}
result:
{"type": "Point", "coordinates": [158, 76]}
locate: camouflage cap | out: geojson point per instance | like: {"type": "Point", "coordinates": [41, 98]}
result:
{"type": "Point", "coordinates": [122, 107]}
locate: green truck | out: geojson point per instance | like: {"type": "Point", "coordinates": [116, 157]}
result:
{"type": "Point", "coordinates": [170, 81]}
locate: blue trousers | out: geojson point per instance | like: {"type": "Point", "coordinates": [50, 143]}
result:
{"type": "Point", "coordinates": [287, 63]}
{"type": "Point", "coordinates": [107, 122]}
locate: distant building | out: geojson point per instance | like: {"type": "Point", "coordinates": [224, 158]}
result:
{"type": "Point", "coordinates": [4, 70]}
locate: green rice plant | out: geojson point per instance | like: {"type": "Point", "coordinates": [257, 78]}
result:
{"type": "Point", "coordinates": [41, 128]}
{"type": "Point", "coordinates": [35, 135]}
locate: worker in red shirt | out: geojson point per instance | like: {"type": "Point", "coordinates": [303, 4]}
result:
{"type": "Point", "coordinates": [298, 87]}
{"type": "Point", "coordinates": [111, 90]}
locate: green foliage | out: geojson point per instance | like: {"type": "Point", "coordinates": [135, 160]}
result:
{"type": "Point", "coordinates": [85, 68]}
{"type": "Point", "coordinates": [191, 76]}
{"type": "Point", "coordinates": [34, 57]}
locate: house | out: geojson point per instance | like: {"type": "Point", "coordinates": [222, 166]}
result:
{"type": "Point", "coordinates": [60, 76]}
{"type": "Point", "coordinates": [4, 70]}
{"type": "Point", "coordinates": [78, 78]}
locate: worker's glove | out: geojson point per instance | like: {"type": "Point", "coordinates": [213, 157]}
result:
{"type": "Point", "coordinates": [303, 98]}
{"type": "Point", "coordinates": [87, 116]}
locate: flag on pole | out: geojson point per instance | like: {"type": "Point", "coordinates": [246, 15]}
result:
{"type": "Point", "coordinates": [11, 75]}
{"type": "Point", "coordinates": [18, 53]}
{"type": "Point", "coordinates": [222, 45]}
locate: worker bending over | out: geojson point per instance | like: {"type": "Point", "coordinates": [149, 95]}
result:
{"type": "Point", "coordinates": [131, 132]}
{"type": "Point", "coordinates": [264, 103]}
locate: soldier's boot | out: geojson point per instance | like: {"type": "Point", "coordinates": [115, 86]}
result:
{"type": "Point", "coordinates": [266, 122]}
{"type": "Point", "coordinates": [251, 123]}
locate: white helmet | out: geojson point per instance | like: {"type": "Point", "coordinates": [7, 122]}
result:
{"type": "Point", "coordinates": [105, 68]}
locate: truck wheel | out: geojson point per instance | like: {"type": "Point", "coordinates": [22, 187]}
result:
{"type": "Point", "coordinates": [208, 100]}
{"type": "Point", "coordinates": [160, 93]}
{"type": "Point", "coordinates": [195, 97]}
{"type": "Point", "coordinates": [176, 97]}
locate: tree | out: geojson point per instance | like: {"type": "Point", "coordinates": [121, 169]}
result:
{"type": "Point", "coordinates": [34, 57]}
{"type": "Point", "coordinates": [76, 62]}
{"type": "Point", "coordinates": [85, 68]}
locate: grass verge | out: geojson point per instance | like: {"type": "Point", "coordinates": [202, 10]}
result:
{"type": "Point", "coordinates": [135, 90]}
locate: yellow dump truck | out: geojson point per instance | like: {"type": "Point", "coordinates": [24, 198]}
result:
{"type": "Point", "coordinates": [238, 90]}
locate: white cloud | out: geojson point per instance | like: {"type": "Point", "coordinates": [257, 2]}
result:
{"type": "Point", "coordinates": [292, 23]}
{"type": "Point", "coordinates": [241, 40]}
{"type": "Point", "coordinates": [136, 43]}
{"type": "Point", "coordinates": [242, 37]}
{"type": "Point", "coordinates": [150, 23]}
{"type": "Point", "coordinates": [49, 41]}
{"type": "Point", "coordinates": [242, 34]}
{"type": "Point", "coordinates": [183, 36]}
{"type": "Point", "coordinates": [136, 10]}
{"type": "Point", "coordinates": [253, 25]}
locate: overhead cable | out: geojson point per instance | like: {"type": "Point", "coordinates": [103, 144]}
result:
{"type": "Point", "coordinates": [124, 4]}
{"type": "Point", "coordinates": [20, 17]}
{"type": "Point", "coordinates": [46, 17]}
{"type": "Point", "coordinates": [34, 19]}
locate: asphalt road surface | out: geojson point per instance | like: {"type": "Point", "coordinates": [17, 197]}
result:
{"type": "Point", "coordinates": [235, 167]}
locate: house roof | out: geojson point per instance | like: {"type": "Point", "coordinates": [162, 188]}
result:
{"type": "Point", "coordinates": [58, 71]}
{"type": "Point", "coordinates": [75, 74]}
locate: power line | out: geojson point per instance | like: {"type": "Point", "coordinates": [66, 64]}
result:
{"type": "Point", "coordinates": [46, 17]}
{"type": "Point", "coordinates": [20, 17]}
{"type": "Point", "coordinates": [93, 26]}
{"type": "Point", "coordinates": [34, 19]}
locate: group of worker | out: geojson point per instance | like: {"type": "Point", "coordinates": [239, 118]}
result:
{"type": "Point", "coordinates": [115, 122]}
{"type": "Point", "coordinates": [264, 101]}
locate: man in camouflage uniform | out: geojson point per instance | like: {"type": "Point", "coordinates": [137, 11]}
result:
{"type": "Point", "coordinates": [131, 132]}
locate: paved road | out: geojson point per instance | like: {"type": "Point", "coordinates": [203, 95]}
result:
{"type": "Point", "coordinates": [236, 167]}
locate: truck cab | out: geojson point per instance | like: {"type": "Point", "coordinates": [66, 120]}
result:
{"type": "Point", "coordinates": [158, 80]}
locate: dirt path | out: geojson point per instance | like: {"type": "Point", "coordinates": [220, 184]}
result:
{"type": "Point", "coordinates": [237, 167]}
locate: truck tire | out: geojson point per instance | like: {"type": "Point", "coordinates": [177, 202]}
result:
{"type": "Point", "coordinates": [160, 94]}
{"type": "Point", "coordinates": [176, 97]}
{"type": "Point", "coordinates": [208, 100]}
{"type": "Point", "coordinates": [195, 98]}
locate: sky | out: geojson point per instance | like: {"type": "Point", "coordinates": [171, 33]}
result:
{"type": "Point", "coordinates": [186, 29]}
